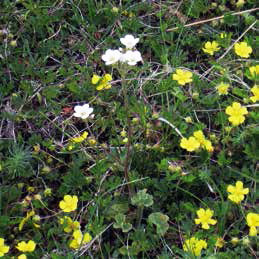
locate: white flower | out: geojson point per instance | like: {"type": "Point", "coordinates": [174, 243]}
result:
{"type": "Point", "coordinates": [131, 57]}
{"type": "Point", "coordinates": [129, 41]}
{"type": "Point", "coordinates": [111, 56]}
{"type": "Point", "coordinates": [83, 111]}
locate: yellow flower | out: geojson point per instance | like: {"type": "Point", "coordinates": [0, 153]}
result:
{"type": "Point", "coordinates": [242, 49]}
{"type": "Point", "coordinates": [80, 138]}
{"type": "Point", "coordinates": [211, 47]}
{"type": "Point", "coordinates": [208, 146]}
{"type": "Point", "coordinates": [24, 220]}
{"type": "Point", "coordinates": [199, 136]}
{"type": "Point", "coordinates": [70, 225]}
{"type": "Point", "coordinates": [252, 220]}
{"type": "Point", "coordinates": [79, 239]}
{"type": "Point", "coordinates": [69, 203]}
{"type": "Point", "coordinates": [194, 246]}
{"type": "Point", "coordinates": [22, 256]}
{"type": "Point", "coordinates": [236, 112]}
{"type": "Point", "coordinates": [103, 82]}
{"type": "Point", "coordinates": [205, 218]}
{"type": "Point", "coordinates": [190, 144]}
{"type": "Point", "coordinates": [220, 242]}
{"type": "Point", "coordinates": [87, 238]}
{"type": "Point", "coordinates": [222, 88]}
{"type": "Point", "coordinates": [254, 70]}
{"type": "Point", "coordinates": [255, 91]}
{"type": "Point", "coordinates": [237, 192]}
{"type": "Point", "coordinates": [3, 248]}
{"type": "Point", "coordinates": [95, 79]}
{"type": "Point", "coordinates": [182, 77]}
{"type": "Point", "coordinates": [26, 247]}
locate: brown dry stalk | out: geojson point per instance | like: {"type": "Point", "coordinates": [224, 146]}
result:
{"type": "Point", "coordinates": [212, 19]}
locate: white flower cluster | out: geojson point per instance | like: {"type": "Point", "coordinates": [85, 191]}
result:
{"type": "Point", "coordinates": [127, 55]}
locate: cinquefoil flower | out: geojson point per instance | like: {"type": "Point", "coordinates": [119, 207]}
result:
{"type": "Point", "coordinates": [83, 111]}
{"type": "Point", "coordinates": [69, 203]}
{"type": "Point", "coordinates": [222, 88]}
{"type": "Point", "coordinates": [69, 224]}
{"type": "Point", "coordinates": [194, 246]}
{"type": "Point", "coordinates": [255, 91]}
{"type": "Point", "coordinates": [26, 247]}
{"type": "Point", "coordinates": [131, 57]}
{"type": "Point", "coordinates": [252, 220]}
{"type": "Point", "coordinates": [182, 76]}
{"type": "Point", "coordinates": [111, 56]}
{"type": "Point", "coordinates": [129, 41]}
{"type": "Point", "coordinates": [211, 47]}
{"type": "Point", "coordinates": [205, 218]}
{"type": "Point", "coordinates": [3, 248]}
{"type": "Point", "coordinates": [237, 193]}
{"type": "Point", "coordinates": [242, 49]}
{"type": "Point", "coordinates": [236, 113]}
{"type": "Point", "coordinates": [189, 144]}
{"type": "Point", "coordinates": [79, 239]}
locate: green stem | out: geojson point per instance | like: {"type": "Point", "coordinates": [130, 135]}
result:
{"type": "Point", "coordinates": [140, 215]}
{"type": "Point", "coordinates": [128, 145]}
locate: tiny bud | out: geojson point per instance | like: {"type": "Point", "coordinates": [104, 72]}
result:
{"type": "Point", "coordinates": [36, 218]}
{"type": "Point", "coordinates": [92, 141]}
{"type": "Point", "coordinates": [13, 43]}
{"type": "Point", "coordinates": [115, 9]}
{"type": "Point", "coordinates": [155, 115]}
{"type": "Point", "coordinates": [30, 189]}
{"type": "Point", "coordinates": [135, 120]}
{"type": "Point", "coordinates": [10, 35]}
{"type": "Point", "coordinates": [45, 170]}
{"type": "Point", "coordinates": [195, 95]}
{"type": "Point", "coordinates": [228, 129]}
{"type": "Point", "coordinates": [37, 197]}
{"type": "Point", "coordinates": [47, 192]}
{"type": "Point", "coordinates": [123, 133]}
{"type": "Point", "coordinates": [234, 241]}
{"type": "Point", "coordinates": [20, 185]}
{"type": "Point", "coordinates": [188, 119]}
{"type": "Point", "coordinates": [125, 140]}
{"type": "Point", "coordinates": [246, 241]}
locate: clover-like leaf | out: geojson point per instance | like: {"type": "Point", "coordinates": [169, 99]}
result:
{"type": "Point", "coordinates": [142, 199]}
{"type": "Point", "coordinates": [121, 223]}
{"type": "Point", "coordinates": [160, 220]}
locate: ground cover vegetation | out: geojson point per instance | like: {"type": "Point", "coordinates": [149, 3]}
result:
{"type": "Point", "coordinates": [128, 129]}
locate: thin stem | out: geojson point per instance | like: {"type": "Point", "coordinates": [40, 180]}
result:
{"type": "Point", "coordinates": [129, 135]}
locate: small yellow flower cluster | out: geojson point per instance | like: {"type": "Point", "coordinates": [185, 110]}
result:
{"type": "Point", "coordinates": [69, 224]}
{"type": "Point", "coordinates": [252, 220]}
{"type": "Point", "coordinates": [236, 113]}
{"type": "Point", "coordinates": [195, 142]}
{"type": "Point", "coordinates": [69, 203]}
{"type": "Point", "coordinates": [194, 246]}
{"type": "Point", "coordinates": [79, 239]}
{"type": "Point", "coordinates": [255, 91]}
{"type": "Point", "coordinates": [242, 49]}
{"type": "Point", "coordinates": [182, 76]}
{"type": "Point", "coordinates": [211, 47]}
{"type": "Point", "coordinates": [102, 82]}
{"type": "Point", "coordinates": [237, 193]}
{"type": "Point", "coordinates": [3, 248]}
{"type": "Point", "coordinates": [205, 218]}
{"type": "Point", "coordinates": [222, 88]}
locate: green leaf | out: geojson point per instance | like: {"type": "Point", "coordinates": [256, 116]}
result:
{"type": "Point", "coordinates": [142, 199]}
{"type": "Point", "coordinates": [120, 223]}
{"type": "Point", "coordinates": [160, 220]}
